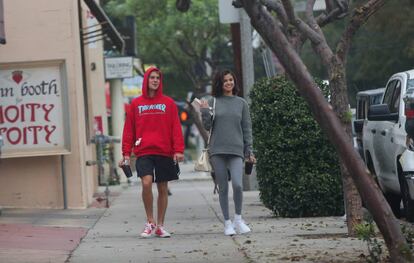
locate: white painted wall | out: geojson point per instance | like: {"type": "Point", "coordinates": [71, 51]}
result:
{"type": "Point", "coordinates": [44, 30]}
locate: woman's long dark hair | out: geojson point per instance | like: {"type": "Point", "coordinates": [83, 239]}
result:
{"type": "Point", "coordinates": [217, 89]}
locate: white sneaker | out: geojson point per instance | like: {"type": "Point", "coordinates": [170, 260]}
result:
{"type": "Point", "coordinates": [161, 232]}
{"type": "Point", "coordinates": [148, 230]}
{"type": "Point", "coordinates": [240, 226]}
{"type": "Point", "coordinates": [228, 228]}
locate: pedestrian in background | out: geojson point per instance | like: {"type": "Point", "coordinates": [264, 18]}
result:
{"type": "Point", "coordinates": [152, 130]}
{"type": "Point", "coordinates": [230, 144]}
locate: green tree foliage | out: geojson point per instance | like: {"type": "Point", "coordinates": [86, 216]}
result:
{"type": "Point", "coordinates": [297, 169]}
{"type": "Point", "coordinates": [382, 47]}
{"type": "Point", "coordinates": [181, 44]}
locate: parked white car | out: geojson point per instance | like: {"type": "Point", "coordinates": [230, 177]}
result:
{"type": "Point", "coordinates": [364, 99]}
{"type": "Point", "coordinates": [385, 141]}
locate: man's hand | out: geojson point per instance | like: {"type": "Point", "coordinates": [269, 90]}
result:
{"type": "Point", "coordinates": [178, 157]}
{"type": "Point", "coordinates": [121, 162]}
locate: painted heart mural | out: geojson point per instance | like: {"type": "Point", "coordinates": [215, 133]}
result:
{"type": "Point", "coordinates": [17, 76]}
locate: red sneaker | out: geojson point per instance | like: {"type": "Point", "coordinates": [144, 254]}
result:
{"type": "Point", "coordinates": [148, 230]}
{"type": "Point", "coordinates": [161, 232]}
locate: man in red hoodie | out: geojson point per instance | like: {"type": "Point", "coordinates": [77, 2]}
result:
{"type": "Point", "coordinates": [152, 130]}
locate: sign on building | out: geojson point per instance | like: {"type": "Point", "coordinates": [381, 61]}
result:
{"type": "Point", "coordinates": [34, 118]}
{"type": "Point", "coordinates": [118, 67]}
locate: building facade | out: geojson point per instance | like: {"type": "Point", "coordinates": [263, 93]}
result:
{"type": "Point", "coordinates": [52, 89]}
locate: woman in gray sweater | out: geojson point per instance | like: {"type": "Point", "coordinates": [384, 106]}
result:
{"type": "Point", "coordinates": [230, 144]}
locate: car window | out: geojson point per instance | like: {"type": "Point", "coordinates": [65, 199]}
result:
{"type": "Point", "coordinates": [376, 99]}
{"type": "Point", "coordinates": [389, 92]}
{"type": "Point", "coordinates": [395, 103]}
{"type": "Point", "coordinates": [361, 109]}
{"type": "Point", "coordinates": [410, 83]}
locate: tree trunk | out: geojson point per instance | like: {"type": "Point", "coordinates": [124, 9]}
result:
{"type": "Point", "coordinates": [353, 204]}
{"type": "Point", "coordinates": [340, 103]}
{"type": "Point", "coordinates": [329, 122]}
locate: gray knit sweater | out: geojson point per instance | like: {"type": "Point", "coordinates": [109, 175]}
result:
{"type": "Point", "coordinates": [232, 128]}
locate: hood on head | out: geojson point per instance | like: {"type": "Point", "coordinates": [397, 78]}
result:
{"type": "Point", "coordinates": [145, 82]}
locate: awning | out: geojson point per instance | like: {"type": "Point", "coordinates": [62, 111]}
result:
{"type": "Point", "coordinates": [107, 27]}
{"type": "Point", "coordinates": [2, 34]}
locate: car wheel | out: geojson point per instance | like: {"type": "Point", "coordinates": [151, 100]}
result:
{"type": "Point", "coordinates": [407, 201]}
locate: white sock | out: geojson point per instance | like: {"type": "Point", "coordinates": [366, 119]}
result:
{"type": "Point", "coordinates": [237, 217]}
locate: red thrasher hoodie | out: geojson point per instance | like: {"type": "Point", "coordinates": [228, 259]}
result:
{"type": "Point", "coordinates": [152, 125]}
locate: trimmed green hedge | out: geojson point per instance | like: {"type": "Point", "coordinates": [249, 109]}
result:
{"type": "Point", "coordinates": [297, 169]}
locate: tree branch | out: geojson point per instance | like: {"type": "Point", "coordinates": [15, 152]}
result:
{"type": "Point", "coordinates": [277, 7]}
{"type": "Point", "coordinates": [320, 46]}
{"type": "Point", "coordinates": [336, 9]}
{"type": "Point", "coordinates": [310, 32]}
{"type": "Point", "coordinates": [359, 17]}
{"type": "Point", "coordinates": [289, 11]}
{"type": "Point", "coordinates": [198, 122]}
{"type": "Point", "coordinates": [299, 24]}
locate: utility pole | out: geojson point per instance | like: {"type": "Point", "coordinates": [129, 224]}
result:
{"type": "Point", "coordinates": [237, 54]}
{"type": "Point", "coordinates": [2, 34]}
{"type": "Point", "coordinates": [241, 36]}
{"type": "Point", "coordinates": [117, 117]}
{"type": "Point", "coordinates": [246, 54]}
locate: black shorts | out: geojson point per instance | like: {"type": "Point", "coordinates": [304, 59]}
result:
{"type": "Point", "coordinates": [162, 168]}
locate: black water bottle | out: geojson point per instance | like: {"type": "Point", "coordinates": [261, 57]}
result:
{"type": "Point", "coordinates": [126, 168]}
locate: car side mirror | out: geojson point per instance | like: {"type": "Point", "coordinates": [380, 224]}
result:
{"type": "Point", "coordinates": [381, 112]}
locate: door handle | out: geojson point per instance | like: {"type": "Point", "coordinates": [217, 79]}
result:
{"type": "Point", "coordinates": [383, 133]}
{"type": "Point", "coordinates": [374, 131]}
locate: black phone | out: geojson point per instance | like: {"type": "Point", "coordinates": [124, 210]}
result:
{"type": "Point", "coordinates": [177, 168]}
{"type": "Point", "coordinates": [248, 168]}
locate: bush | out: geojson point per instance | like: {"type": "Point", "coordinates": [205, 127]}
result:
{"type": "Point", "coordinates": [298, 169]}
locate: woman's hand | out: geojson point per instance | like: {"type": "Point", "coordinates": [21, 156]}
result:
{"type": "Point", "coordinates": [204, 104]}
{"type": "Point", "coordinates": [251, 159]}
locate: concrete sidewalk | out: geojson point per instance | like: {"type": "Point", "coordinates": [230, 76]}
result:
{"type": "Point", "coordinates": [194, 218]}
{"type": "Point", "coordinates": [195, 221]}
{"type": "Point", "coordinates": [40, 235]}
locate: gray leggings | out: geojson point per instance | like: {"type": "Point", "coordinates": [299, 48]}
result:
{"type": "Point", "coordinates": [223, 163]}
